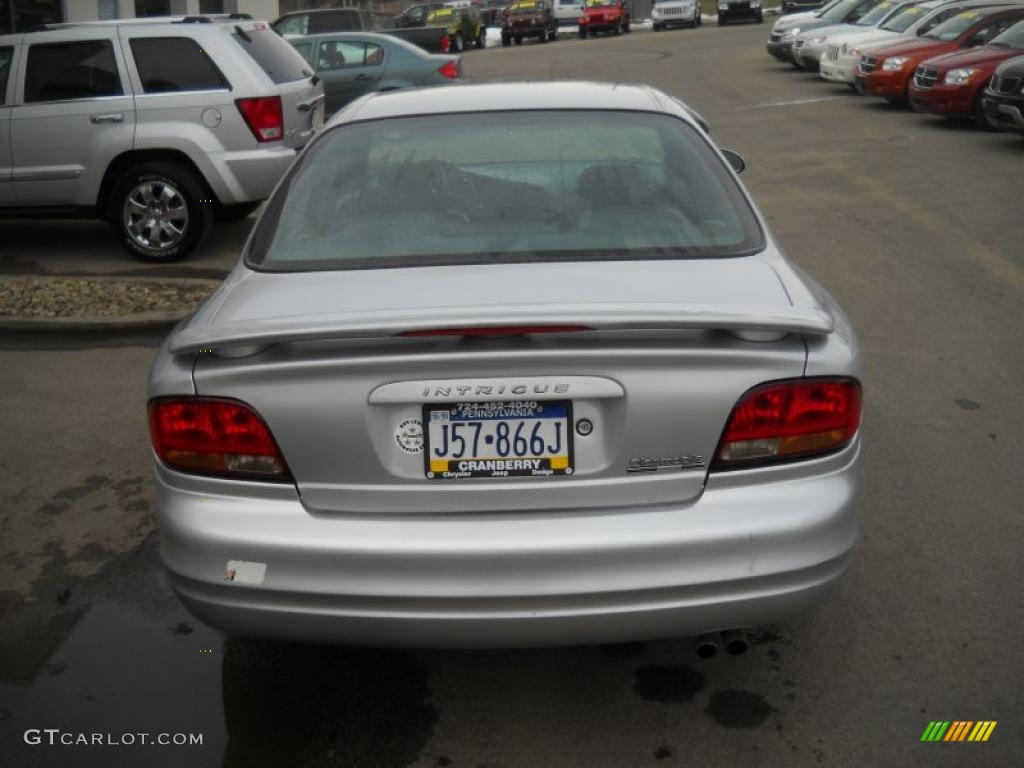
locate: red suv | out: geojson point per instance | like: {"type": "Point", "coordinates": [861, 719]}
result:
{"type": "Point", "coordinates": [887, 71]}
{"type": "Point", "coordinates": [604, 16]}
{"type": "Point", "coordinates": [953, 84]}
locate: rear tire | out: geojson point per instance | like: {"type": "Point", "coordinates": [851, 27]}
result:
{"type": "Point", "coordinates": [152, 199]}
{"type": "Point", "coordinates": [721, 20]}
{"type": "Point", "coordinates": [506, 41]}
{"type": "Point", "coordinates": [627, 28]}
{"type": "Point", "coordinates": [618, 28]}
{"type": "Point", "coordinates": [760, 18]}
{"type": "Point", "coordinates": [458, 44]}
{"type": "Point", "coordinates": [481, 38]}
{"type": "Point", "coordinates": [518, 39]}
{"type": "Point", "coordinates": [553, 35]}
{"type": "Point", "coordinates": [582, 34]}
{"type": "Point", "coordinates": [657, 27]}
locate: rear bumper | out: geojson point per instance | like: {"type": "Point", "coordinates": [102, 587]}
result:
{"type": "Point", "coordinates": [942, 100]}
{"type": "Point", "coordinates": [740, 13]}
{"type": "Point", "coordinates": [839, 71]}
{"type": "Point", "coordinates": [249, 175]}
{"type": "Point", "coordinates": [741, 555]}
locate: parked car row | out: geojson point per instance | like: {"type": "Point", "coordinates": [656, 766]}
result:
{"type": "Point", "coordinates": [961, 59]}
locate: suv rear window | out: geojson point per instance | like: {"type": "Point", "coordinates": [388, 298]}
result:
{"type": "Point", "coordinates": [172, 64]}
{"type": "Point", "coordinates": [485, 188]}
{"type": "Point", "coordinates": [280, 61]}
{"type": "Point", "coordinates": [84, 69]}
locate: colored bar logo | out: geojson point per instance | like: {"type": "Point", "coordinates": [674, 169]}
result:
{"type": "Point", "coordinates": [959, 730]}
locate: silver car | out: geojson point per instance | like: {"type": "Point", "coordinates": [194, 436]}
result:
{"type": "Point", "coordinates": [508, 365]}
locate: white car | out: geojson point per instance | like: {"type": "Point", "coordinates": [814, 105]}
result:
{"type": "Point", "coordinates": [780, 39]}
{"type": "Point", "coordinates": [809, 47]}
{"type": "Point", "coordinates": [568, 12]}
{"type": "Point", "coordinates": [669, 13]}
{"type": "Point", "coordinates": [843, 52]}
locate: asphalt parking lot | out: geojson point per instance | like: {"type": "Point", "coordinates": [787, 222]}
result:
{"type": "Point", "coordinates": [914, 225]}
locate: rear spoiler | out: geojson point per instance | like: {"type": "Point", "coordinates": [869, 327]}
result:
{"type": "Point", "coordinates": [600, 317]}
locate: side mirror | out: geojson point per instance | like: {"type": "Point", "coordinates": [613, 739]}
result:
{"type": "Point", "coordinates": [735, 160]}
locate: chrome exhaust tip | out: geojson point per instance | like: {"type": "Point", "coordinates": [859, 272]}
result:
{"type": "Point", "coordinates": [735, 642]}
{"type": "Point", "coordinates": [707, 646]}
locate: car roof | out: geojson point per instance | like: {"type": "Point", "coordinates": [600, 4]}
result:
{"type": "Point", "coordinates": [499, 97]}
{"type": "Point", "coordinates": [197, 19]}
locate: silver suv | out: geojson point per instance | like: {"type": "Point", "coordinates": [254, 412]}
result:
{"type": "Point", "coordinates": [158, 125]}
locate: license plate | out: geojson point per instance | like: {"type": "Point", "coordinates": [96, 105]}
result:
{"type": "Point", "coordinates": [498, 439]}
{"type": "Point", "coordinates": [318, 116]}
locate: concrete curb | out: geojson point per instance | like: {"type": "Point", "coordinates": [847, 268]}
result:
{"type": "Point", "coordinates": [141, 322]}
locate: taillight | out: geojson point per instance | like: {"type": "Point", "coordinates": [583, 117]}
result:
{"type": "Point", "coordinates": [504, 330]}
{"type": "Point", "coordinates": [264, 116]}
{"type": "Point", "coordinates": [446, 44]}
{"type": "Point", "coordinates": [209, 436]}
{"type": "Point", "coordinates": [450, 69]}
{"type": "Point", "coordinates": [786, 420]}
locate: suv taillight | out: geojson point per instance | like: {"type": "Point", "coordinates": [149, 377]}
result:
{"type": "Point", "coordinates": [786, 420]}
{"type": "Point", "coordinates": [212, 436]}
{"type": "Point", "coordinates": [450, 69]}
{"type": "Point", "coordinates": [264, 116]}
{"type": "Point", "coordinates": [446, 44]}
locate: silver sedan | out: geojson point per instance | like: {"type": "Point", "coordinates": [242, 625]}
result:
{"type": "Point", "coordinates": [508, 365]}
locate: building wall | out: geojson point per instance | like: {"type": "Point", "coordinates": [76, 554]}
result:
{"type": "Point", "coordinates": [89, 10]}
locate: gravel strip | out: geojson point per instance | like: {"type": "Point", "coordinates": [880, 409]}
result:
{"type": "Point", "coordinates": [83, 297]}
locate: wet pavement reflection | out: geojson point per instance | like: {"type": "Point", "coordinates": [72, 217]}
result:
{"type": "Point", "coordinates": [136, 665]}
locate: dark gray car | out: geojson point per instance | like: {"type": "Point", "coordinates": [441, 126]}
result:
{"type": "Point", "coordinates": [352, 64]}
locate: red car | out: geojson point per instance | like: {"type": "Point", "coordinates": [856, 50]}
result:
{"type": "Point", "coordinates": [604, 16]}
{"type": "Point", "coordinates": [887, 71]}
{"type": "Point", "coordinates": [953, 84]}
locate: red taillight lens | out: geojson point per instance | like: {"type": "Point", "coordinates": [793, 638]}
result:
{"type": "Point", "coordinates": [446, 44]}
{"type": "Point", "coordinates": [214, 437]}
{"type": "Point", "coordinates": [505, 330]}
{"type": "Point", "coordinates": [450, 69]}
{"type": "Point", "coordinates": [790, 419]}
{"type": "Point", "coordinates": [264, 116]}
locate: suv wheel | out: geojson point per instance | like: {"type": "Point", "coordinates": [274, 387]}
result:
{"type": "Point", "coordinates": [553, 35]}
{"type": "Point", "coordinates": [458, 44]}
{"type": "Point", "coordinates": [583, 33]}
{"type": "Point", "coordinates": [160, 211]}
{"type": "Point", "coordinates": [506, 41]}
{"type": "Point", "coordinates": [721, 20]}
{"type": "Point", "coordinates": [481, 39]}
{"type": "Point", "coordinates": [618, 27]}
{"type": "Point", "coordinates": [760, 18]}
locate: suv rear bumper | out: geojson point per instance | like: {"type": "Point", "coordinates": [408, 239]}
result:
{"type": "Point", "coordinates": [245, 176]}
{"type": "Point", "coordinates": [740, 555]}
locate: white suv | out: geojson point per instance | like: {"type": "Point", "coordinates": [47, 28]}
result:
{"type": "Point", "coordinates": [158, 126]}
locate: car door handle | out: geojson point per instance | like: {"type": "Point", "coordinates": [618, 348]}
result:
{"type": "Point", "coordinates": [113, 117]}
{"type": "Point", "coordinates": [363, 77]}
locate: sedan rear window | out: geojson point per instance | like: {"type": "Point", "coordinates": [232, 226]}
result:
{"type": "Point", "coordinates": [279, 60]}
{"type": "Point", "coordinates": [503, 187]}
